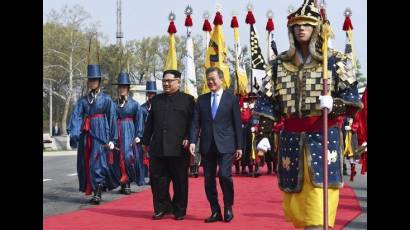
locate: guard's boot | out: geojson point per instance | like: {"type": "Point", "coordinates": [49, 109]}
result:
{"type": "Point", "coordinates": [237, 167]}
{"type": "Point", "coordinates": [257, 171]}
{"type": "Point", "coordinates": [97, 195]}
{"type": "Point", "coordinates": [269, 164]}
{"type": "Point", "coordinates": [191, 170]}
{"type": "Point", "coordinates": [344, 169]}
{"type": "Point", "coordinates": [127, 189]}
{"type": "Point", "coordinates": [196, 171]}
{"type": "Point", "coordinates": [122, 190]}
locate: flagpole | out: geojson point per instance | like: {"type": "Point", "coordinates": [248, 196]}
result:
{"type": "Point", "coordinates": [234, 26]}
{"type": "Point", "coordinates": [250, 20]}
{"type": "Point", "coordinates": [348, 28]}
{"type": "Point", "coordinates": [207, 28]}
{"type": "Point", "coordinates": [185, 77]}
{"type": "Point", "coordinates": [325, 34]}
{"type": "Point", "coordinates": [270, 28]}
{"type": "Point", "coordinates": [189, 72]}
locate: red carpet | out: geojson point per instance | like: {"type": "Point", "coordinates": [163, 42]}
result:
{"type": "Point", "coordinates": [258, 205]}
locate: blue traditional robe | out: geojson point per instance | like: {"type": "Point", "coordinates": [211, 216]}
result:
{"type": "Point", "coordinates": [130, 125]}
{"type": "Point", "coordinates": [92, 126]}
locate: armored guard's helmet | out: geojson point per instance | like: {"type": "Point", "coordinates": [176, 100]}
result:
{"type": "Point", "coordinates": [309, 14]}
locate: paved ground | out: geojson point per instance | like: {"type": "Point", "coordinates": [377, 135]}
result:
{"type": "Point", "coordinates": [60, 185]}
{"type": "Point", "coordinates": [360, 188]}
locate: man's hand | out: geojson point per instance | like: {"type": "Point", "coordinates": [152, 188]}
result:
{"type": "Point", "coordinates": [192, 149]}
{"type": "Point", "coordinates": [111, 145]}
{"type": "Point", "coordinates": [137, 140]}
{"type": "Point", "coordinates": [238, 154]}
{"type": "Point", "coordinates": [326, 101]}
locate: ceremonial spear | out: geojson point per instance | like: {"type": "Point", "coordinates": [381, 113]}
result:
{"type": "Point", "coordinates": [326, 32]}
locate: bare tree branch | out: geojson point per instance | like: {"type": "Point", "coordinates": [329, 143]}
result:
{"type": "Point", "coordinates": [55, 93]}
{"type": "Point", "coordinates": [61, 58]}
{"type": "Point", "coordinates": [52, 66]}
{"type": "Point", "coordinates": [79, 62]}
{"type": "Point", "coordinates": [59, 52]}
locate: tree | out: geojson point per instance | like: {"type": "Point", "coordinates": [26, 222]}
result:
{"type": "Point", "coordinates": [147, 62]}
{"type": "Point", "coordinates": [147, 56]}
{"type": "Point", "coordinates": [361, 79]}
{"type": "Point", "coordinates": [65, 42]}
{"type": "Point", "coordinates": [115, 59]}
{"type": "Point", "coordinates": [231, 63]}
{"type": "Point", "coordinates": [199, 59]}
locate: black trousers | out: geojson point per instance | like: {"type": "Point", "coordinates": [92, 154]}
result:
{"type": "Point", "coordinates": [210, 161]}
{"type": "Point", "coordinates": [247, 147]}
{"type": "Point", "coordinates": [163, 171]}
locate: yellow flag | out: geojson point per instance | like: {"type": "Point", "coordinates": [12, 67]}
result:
{"type": "Point", "coordinates": [242, 79]}
{"type": "Point", "coordinates": [349, 34]}
{"type": "Point", "coordinates": [216, 56]}
{"type": "Point", "coordinates": [171, 61]}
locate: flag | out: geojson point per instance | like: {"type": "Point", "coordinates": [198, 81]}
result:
{"type": "Point", "coordinates": [171, 60]}
{"type": "Point", "coordinates": [216, 53]}
{"type": "Point", "coordinates": [189, 72]}
{"type": "Point", "coordinates": [272, 50]}
{"type": "Point", "coordinates": [347, 26]}
{"type": "Point", "coordinates": [241, 78]}
{"type": "Point", "coordinates": [258, 63]}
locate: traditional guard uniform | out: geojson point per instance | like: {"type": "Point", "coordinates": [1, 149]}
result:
{"type": "Point", "coordinates": [291, 90]}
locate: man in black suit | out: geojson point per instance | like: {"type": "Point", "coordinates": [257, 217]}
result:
{"type": "Point", "coordinates": [166, 133]}
{"type": "Point", "coordinates": [217, 115]}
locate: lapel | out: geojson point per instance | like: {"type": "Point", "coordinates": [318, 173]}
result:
{"type": "Point", "coordinates": [221, 104]}
{"type": "Point", "coordinates": [208, 104]}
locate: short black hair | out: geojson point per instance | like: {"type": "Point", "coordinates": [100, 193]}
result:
{"type": "Point", "coordinates": [213, 69]}
{"type": "Point", "coordinates": [176, 73]}
{"type": "Point", "coordinates": [128, 86]}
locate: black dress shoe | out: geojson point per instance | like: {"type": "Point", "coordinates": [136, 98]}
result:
{"type": "Point", "coordinates": [158, 215]}
{"type": "Point", "coordinates": [228, 215]}
{"type": "Point", "coordinates": [179, 217]}
{"type": "Point", "coordinates": [216, 216]}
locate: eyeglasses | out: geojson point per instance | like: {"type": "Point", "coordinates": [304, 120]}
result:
{"type": "Point", "coordinates": [169, 81]}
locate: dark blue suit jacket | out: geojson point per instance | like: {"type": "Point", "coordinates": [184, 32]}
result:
{"type": "Point", "coordinates": [226, 128]}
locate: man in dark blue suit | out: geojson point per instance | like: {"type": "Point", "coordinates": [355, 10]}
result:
{"type": "Point", "coordinates": [217, 117]}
